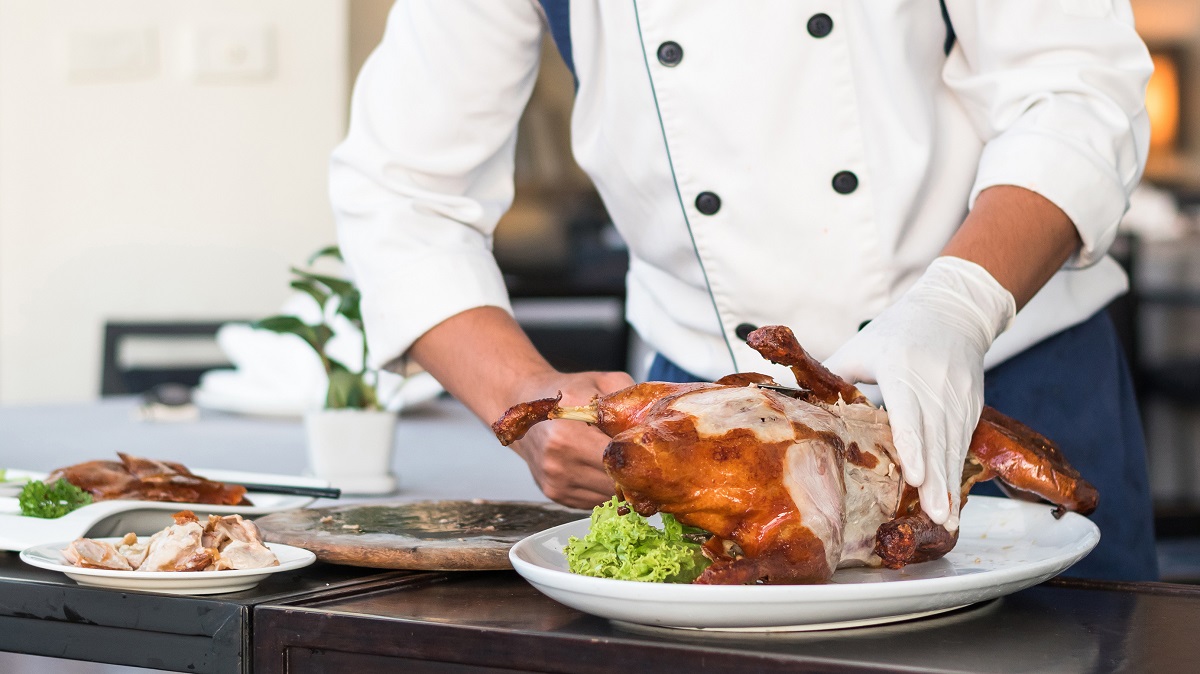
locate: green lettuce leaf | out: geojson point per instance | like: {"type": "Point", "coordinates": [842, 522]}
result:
{"type": "Point", "coordinates": [627, 547]}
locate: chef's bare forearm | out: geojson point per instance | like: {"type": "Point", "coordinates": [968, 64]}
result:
{"type": "Point", "coordinates": [483, 358]}
{"type": "Point", "coordinates": [1019, 236]}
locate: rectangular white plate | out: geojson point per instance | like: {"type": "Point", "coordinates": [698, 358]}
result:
{"type": "Point", "coordinates": [117, 518]}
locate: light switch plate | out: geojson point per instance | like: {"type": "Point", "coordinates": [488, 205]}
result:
{"type": "Point", "coordinates": [229, 53]}
{"type": "Point", "coordinates": [100, 55]}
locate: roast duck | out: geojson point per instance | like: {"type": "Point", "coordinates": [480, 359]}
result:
{"type": "Point", "coordinates": [147, 480]}
{"type": "Point", "coordinates": [792, 485]}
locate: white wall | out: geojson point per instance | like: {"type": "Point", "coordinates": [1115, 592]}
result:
{"type": "Point", "coordinates": [135, 184]}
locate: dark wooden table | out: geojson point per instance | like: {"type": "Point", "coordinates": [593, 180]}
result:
{"type": "Point", "coordinates": [495, 622]}
{"type": "Point", "coordinates": [343, 619]}
{"type": "Point", "coordinates": [45, 613]}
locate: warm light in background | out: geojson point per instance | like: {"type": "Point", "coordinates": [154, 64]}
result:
{"type": "Point", "coordinates": [1162, 103]}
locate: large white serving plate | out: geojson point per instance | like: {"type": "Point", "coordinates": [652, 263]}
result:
{"type": "Point", "coordinates": [117, 518]}
{"type": "Point", "coordinates": [49, 556]}
{"type": "Point", "coordinates": [1005, 546]}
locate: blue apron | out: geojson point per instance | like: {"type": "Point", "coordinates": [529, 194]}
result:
{"type": "Point", "coordinates": [1075, 389]}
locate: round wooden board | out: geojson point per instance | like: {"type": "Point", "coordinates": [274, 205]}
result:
{"type": "Point", "coordinates": [426, 535]}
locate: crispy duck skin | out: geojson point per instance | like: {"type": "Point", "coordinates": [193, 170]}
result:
{"type": "Point", "coordinates": [136, 478]}
{"type": "Point", "coordinates": [792, 488]}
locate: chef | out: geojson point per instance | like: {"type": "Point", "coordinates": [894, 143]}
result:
{"type": "Point", "coordinates": [923, 191]}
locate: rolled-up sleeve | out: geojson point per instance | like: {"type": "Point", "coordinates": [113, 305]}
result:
{"type": "Point", "coordinates": [1056, 90]}
{"type": "Point", "coordinates": [425, 171]}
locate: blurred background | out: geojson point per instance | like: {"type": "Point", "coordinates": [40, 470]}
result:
{"type": "Point", "coordinates": [163, 163]}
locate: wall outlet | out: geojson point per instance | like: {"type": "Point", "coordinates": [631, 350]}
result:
{"type": "Point", "coordinates": [99, 55]}
{"type": "Point", "coordinates": [231, 53]}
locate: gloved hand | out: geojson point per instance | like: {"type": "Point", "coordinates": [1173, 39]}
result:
{"type": "Point", "coordinates": [926, 354]}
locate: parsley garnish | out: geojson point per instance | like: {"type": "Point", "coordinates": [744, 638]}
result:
{"type": "Point", "coordinates": [39, 499]}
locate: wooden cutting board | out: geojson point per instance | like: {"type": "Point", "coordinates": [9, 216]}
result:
{"type": "Point", "coordinates": [426, 535]}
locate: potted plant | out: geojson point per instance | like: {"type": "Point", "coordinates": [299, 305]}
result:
{"type": "Point", "coordinates": [350, 440]}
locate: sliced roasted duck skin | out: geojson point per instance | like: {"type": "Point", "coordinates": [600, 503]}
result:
{"type": "Point", "coordinates": [136, 478]}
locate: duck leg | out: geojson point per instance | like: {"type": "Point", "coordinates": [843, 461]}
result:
{"type": "Point", "coordinates": [778, 344]}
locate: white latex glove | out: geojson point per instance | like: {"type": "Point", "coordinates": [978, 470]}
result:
{"type": "Point", "coordinates": [926, 354]}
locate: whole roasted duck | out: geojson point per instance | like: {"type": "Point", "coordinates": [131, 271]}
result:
{"type": "Point", "coordinates": [792, 487]}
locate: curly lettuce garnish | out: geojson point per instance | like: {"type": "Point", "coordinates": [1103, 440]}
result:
{"type": "Point", "coordinates": [627, 547]}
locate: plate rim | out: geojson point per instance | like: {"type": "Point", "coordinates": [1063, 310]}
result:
{"type": "Point", "coordinates": [304, 558]}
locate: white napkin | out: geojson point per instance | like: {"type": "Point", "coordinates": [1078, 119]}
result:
{"type": "Point", "coordinates": [280, 375]}
{"type": "Point", "coordinates": [1154, 215]}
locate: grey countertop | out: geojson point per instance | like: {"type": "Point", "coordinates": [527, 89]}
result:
{"type": "Point", "coordinates": [442, 450]}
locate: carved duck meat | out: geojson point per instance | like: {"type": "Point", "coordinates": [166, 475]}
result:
{"type": "Point", "coordinates": [792, 488]}
{"type": "Point", "coordinates": [142, 479]}
{"type": "Point", "coordinates": [223, 543]}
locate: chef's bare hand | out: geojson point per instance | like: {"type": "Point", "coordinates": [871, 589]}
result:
{"type": "Point", "coordinates": [926, 354]}
{"type": "Point", "coordinates": [565, 457]}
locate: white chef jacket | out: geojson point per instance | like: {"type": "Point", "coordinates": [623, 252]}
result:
{"type": "Point", "coordinates": [763, 114]}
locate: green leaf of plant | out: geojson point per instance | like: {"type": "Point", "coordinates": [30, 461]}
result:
{"type": "Point", "coordinates": [329, 251]}
{"type": "Point", "coordinates": [348, 390]}
{"type": "Point", "coordinates": [370, 400]}
{"type": "Point", "coordinates": [350, 306]}
{"type": "Point", "coordinates": [338, 286]}
{"type": "Point", "coordinates": [290, 324]}
{"type": "Point", "coordinates": [315, 336]}
{"type": "Point", "coordinates": [313, 291]}
{"type": "Point", "coordinates": [321, 335]}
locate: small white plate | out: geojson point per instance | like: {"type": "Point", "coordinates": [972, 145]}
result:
{"type": "Point", "coordinates": [49, 556]}
{"type": "Point", "coordinates": [119, 517]}
{"type": "Point", "coordinates": [1004, 546]}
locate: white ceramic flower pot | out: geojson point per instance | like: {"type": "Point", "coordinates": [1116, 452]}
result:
{"type": "Point", "coordinates": [352, 449]}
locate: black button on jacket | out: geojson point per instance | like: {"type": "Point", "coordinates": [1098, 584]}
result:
{"type": "Point", "coordinates": [670, 53]}
{"type": "Point", "coordinates": [820, 25]}
{"type": "Point", "coordinates": [708, 203]}
{"type": "Point", "coordinates": [845, 182]}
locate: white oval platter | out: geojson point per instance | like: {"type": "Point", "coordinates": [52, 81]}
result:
{"type": "Point", "coordinates": [1005, 545]}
